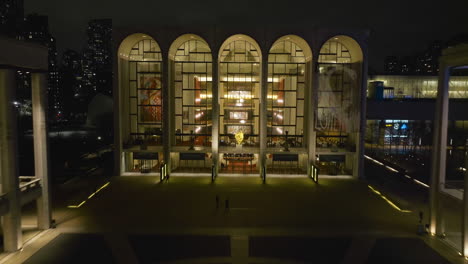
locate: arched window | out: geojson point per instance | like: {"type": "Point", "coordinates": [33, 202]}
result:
{"type": "Point", "coordinates": [145, 91]}
{"type": "Point", "coordinates": [192, 79]}
{"type": "Point", "coordinates": [287, 91]}
{"type": "Point", "coordinates": [239, 89]}
{"type": "Point", "coordinates": [337, 113]}
{"type": "Point", "coordinates": [140, 66]}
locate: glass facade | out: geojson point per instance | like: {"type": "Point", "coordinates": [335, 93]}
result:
{"type": "Point", "coordinates": [239, 89]}
{"type": "Point", "coordinates": [144, 125]}
{"type": "Point", "coordinates": [290, 106]}
{"type": "Point", "coordinates": [286, 93]}
{"type": "Point", "coordinates": [408, 87]}
{"type": "Point", "coordinates": [145, 97]}
{"type": "Point", "coordinates": [193, 94]}
{"type": "Point", "coordinates": [239, 92]}
{"type": "Point", "coordinates": [334, 118]}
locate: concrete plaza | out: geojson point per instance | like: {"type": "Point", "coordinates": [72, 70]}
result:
{"type": "Point", "coordinates": [285, 220]}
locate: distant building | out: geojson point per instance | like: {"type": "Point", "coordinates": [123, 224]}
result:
{"type": "Point", "coordinates": [97, 59]}
{"type": "Point", "coordinates": [75, 96]}
{"type": "Point", "coordinates": [391, 65]}
{"type": "Point", "coordinates": [407, 65]}
{"type": "Point", "coordinates": [11, 17]}
{"type": "Point", "coordinates": [36, 29]}
{"type": "Point", "coordinates": [428, 62]}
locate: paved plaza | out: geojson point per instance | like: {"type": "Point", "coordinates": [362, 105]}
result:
{"type": "Point", "coordinates": [285, 220]}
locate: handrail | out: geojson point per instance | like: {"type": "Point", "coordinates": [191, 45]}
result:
{"type": "Point", "coordinates": [30, 184]}
{"type": "Point", "coordinates": [314, 172]}
{"type": "Point", "coordinates": [27, 177]}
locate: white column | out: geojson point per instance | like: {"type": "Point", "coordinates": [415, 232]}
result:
{"type": "Point", "coordinates": [439, 149]}
{"type": "Point", "coordinates": [167, 124]}
{"type": "Point", "coordinates": [119, 80]}
{"type": "Point", "coordinates": [312, 101]}
{"type": "Point", "coordinates": [465, 214]}
{"type": "Point", "coordinates": [12, 235]}
{"type": "Point", "coordinates": [215, 114]}
{"type": "Point", "coordinates": [263, 111]}
{"type": "Point", "coordinates": [41, 161]}
{"type": "Point", "coordinates": [360, 137]}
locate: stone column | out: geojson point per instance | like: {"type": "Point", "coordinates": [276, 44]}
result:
{"type": "Point", "coordinates": [263, 111]}
{"type": "Point", "coordinates": [439, 149]}
{"type": "Point", "coordinates": [166, 122]}
{"type": "Point", "coordinates": [12, 234]}
{"type": "Point", "coordinates": [311, 103]}
{"type": "Point", "coordinates": [41, 161]}
{"type": "Point", "coordinates": [215, 113]}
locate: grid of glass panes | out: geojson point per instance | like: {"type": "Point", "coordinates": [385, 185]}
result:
{"type": "Point", "coordinates": [334, 95]}
{"type": "Point", "coordinates": [145, 97]}
{"type": "Point", "coordinates": [193, 94]}
{"type": "Point", "coordinates": [286, 87]}
{"type": "Point", "coordinates": [239, 93]}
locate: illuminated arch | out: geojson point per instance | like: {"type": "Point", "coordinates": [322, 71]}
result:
{"type": "Point", "coordinates": [140, 91]}
{"type": "Point", "coordinates": [352, 46]}
{"type": "Point", "coordinates": [222, 55]}
{"type": "Point", "coordinates": [288, 71]}
{"type": "Point", "coordinates": [191, 90]}
{"type": "Point", "coordinates": [126, 46]}
{"type": "Point", "coordinates": [337, 118]}
{"type": "Point", "coordinates": [177, 43]}
{"type": "Point", "coordinates": [300, 42]}
{"type": "Point", "coordinates": [239, 65]}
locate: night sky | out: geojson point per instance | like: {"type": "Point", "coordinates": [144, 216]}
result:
{"type": "Point", "coordinates": [397, 27]}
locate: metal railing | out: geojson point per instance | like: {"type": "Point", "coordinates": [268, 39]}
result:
{"type": "Point", "coordinates": [314, 172]}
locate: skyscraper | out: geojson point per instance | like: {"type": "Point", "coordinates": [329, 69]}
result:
{"type": "Point", "coordinates": [97, 59]}
{"type": "Point", "coordinates": [11, 17]}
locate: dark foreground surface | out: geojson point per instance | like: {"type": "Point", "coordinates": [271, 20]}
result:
{"type": "Point", "coordinates": [285, 220]}
{"type": "Point", "coordinates": [92, 248]}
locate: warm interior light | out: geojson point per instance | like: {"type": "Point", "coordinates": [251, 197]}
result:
{"type": "Point", "coordinates": [205, 79]}
{"type": "Point", "coordinates": [238, 96]}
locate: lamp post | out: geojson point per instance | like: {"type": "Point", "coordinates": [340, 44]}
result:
{"type": "Point", "coordinates": [286, 143]}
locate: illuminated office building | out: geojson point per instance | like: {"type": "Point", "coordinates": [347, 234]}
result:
{"type": "Point", "coordinates": [283, 100]}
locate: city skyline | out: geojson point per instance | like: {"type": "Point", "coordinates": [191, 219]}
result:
{"type": "Point", "coordinates": [400, 29]}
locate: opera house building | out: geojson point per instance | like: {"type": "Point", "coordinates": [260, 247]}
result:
{"type": "Point", "coordinates": [239, 100]}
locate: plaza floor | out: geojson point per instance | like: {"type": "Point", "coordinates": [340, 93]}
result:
{"type": "Point", "coordinates": [285, 220]}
